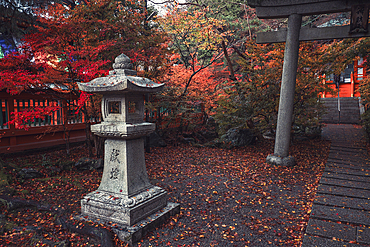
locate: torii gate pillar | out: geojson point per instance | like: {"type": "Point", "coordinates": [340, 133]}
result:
{"type": "Point", "coordinates": [288, 81]}
{"type": "Point", "coordinates": [294, 10]}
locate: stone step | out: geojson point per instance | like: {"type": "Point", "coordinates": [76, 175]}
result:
{"type": "Point", "coordinates": [341, 98]}
{"type": "Point", "coordinates": [331, 230]}
{"type": "Point", "coordinates": [341, 210]}
{"type": "Point", "coordinates": [342, 106]}
{"type": "Point", "coordinates": [342, 201]}
{"type": "Point", "coordinates": [348, 166]}
{"type": "Point", "coordinates": [342, 102]}
{"type": "Point", "coordinates": [357, 161]}
{"type": "Point", "coordinates": [343, 191]}
{"type": "Point", "coordinates": [363, 235]}
{"type": "Point", "coordinates": [349, 110]}
{"type": "Point", "coordinates": [343, 143]}
{"type": "Point", "coordinates": [346, 183]}
{"type": "Point", "coordinates": [346, 176]}
{"type": "Point", "coordinates": [348, 149]}
{"type": "Point", "coordinates": [347, 156]}
{"type": "Point", "coordinates": [344, 215]}
{"type": "Point", "coordinates": [310, 241]}
{"type": "Point", "coordinates": [348, 171]}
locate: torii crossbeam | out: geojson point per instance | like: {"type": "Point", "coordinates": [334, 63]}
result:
{"type": "Point", "coordinates": [294, 10]}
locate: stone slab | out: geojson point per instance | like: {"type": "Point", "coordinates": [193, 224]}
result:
{"type": "Point", "coordinates": [348, 171]}
{"type": "Point", "coordinates": [310, 241]}
{"type": "Point", "coordinates": [344, 143]}
{"type": "Point", "coordinates": [345, 176]}
{"type": "Point", "coordinates": [363, 235]}
{"type": "Point", "coordinates": [343, 191]}
{"type": "Point", "coordinates": [344, 147]}
{"type": "Point", "coordinates": [134, 233]}
{"type": "Point", "coordinates": [345, 150]}
{"type": "Point", "coordinates": [331, 229]}
{"type": "Point", "coordinates": [350, 158]}
{"type": "Point", "coordinates": [345, 183]}
{"type": "Point", "coordinates": [348, 164]}
{"type": "Point", "coordinates": [342, 201]}
{"type": "Point", "coordinates": [359, 158]}
{"type": "Point", "coordinates": [347, 156]}
{"type": "Point", "coordinates": [351, 150]}
{"type": "Point", "coordinates": [341, 214]}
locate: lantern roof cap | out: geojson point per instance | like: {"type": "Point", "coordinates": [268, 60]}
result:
{"type": "Point", "coordinates": [121, 79]}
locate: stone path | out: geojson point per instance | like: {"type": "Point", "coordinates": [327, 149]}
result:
{"type": "Point", "coordinates": [340, 214]}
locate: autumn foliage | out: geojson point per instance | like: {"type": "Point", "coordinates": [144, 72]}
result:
{"type": "Point", "coordinates": [252, 100]}
{"type": "Point", "coordinates": [77, 45]}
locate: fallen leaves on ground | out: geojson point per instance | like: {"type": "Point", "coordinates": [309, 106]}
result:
{"type": "Point", "coordinates": [228, 197]}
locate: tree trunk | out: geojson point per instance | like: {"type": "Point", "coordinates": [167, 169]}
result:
{"type": "Point", "coordinates": [229, 64]}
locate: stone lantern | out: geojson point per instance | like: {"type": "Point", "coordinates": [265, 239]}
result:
{"type": "Point", "coordinates": [125, 195]}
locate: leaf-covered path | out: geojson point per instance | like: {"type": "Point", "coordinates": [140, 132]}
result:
{"type": "Point", "coordinates": [341, 211]}
{"type": "Point", "coordinates": [228, 197]}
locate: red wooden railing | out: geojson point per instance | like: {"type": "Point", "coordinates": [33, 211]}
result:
{"type": "Point", "coordinates": [41, 133]}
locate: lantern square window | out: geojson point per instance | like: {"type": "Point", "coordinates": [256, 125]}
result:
{"type": "Point", "coordinates": [114, 107]}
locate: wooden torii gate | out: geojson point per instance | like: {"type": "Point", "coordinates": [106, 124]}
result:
{"type": "Point", "coordinates": [294, 10]}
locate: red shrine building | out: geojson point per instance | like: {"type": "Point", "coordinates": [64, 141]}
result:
{"type": "Point", "coordinates": [349, 80]}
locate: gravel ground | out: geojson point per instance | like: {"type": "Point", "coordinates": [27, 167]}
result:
{"type": "Point", "coordinates": [233, 198]}
{"type": "Point", "coordinates": [227, 197]}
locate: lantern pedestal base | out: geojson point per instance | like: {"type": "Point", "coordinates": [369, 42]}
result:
{"type": "Point", "coordinates": [121, 209]}
{"type": "Point", "coordinates": [134, 233]}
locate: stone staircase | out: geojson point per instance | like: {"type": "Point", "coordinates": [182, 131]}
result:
{"type": "Point", "coordinates": [349, 110]}
{"type": "Point", "coordinates": [340, 213]}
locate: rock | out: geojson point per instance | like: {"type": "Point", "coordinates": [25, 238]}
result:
{"type": "Point", "coordinates": [308, 132]}
{"type": "Point", "coordinates": [238, 137]}
{"type": "Point", "coordinates": [188, 140]}
{"type": "Point", "coordinates": [89, 164]}
{"type": "Point", "coordinates": [269, 135]}
{"type": "Point", "coordinates": [5, 225]}
{"type": "Point", "coordinates": [65, 165]}
{"type": "Point", "coordinates": [313, 132]}
{"type": "Point", "coordinates": [37, 229]}
{"type": "Point", "coordinates": [13, 203]}
{"type": "Point", "coordinates": [211, 122]}
{"type": "Point", "coordinates": [209, 135]}
{"type": "Point", "coordinates": [156, 140]}
{"type": "Point", "coordinates": [27, 173]}
{"type": "Point", "coordinates": [216, 143]}
{"type": "Point", "coordinates": [52, 171]}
